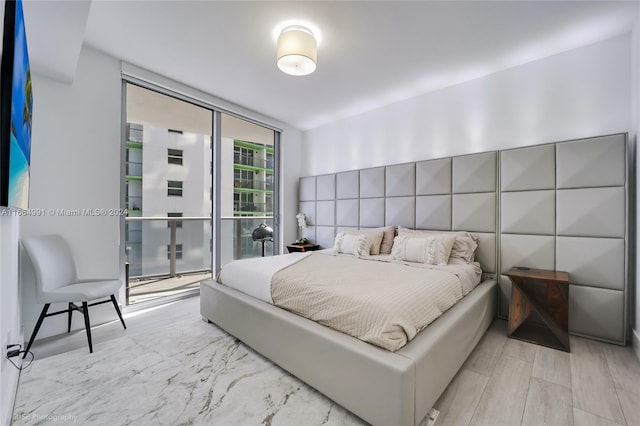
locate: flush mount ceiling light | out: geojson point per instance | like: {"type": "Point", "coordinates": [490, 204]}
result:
{"type": "Point", "coordinates": [297, 50]}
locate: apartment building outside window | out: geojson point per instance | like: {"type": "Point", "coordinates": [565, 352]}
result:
{"type": "Point", "coordinates": [174, 188]}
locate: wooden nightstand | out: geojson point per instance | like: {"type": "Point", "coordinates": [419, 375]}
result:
{"type": "Point", "coordinates": [547, 294]}
{"type": "Point", "coordinates": [302, 247]}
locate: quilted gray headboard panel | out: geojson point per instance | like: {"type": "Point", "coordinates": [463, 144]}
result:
{"type": "Point", "coordinates": [440, 194]}
{"type": "Point", "coordinates": [560, 206]}
{"type": "Point", "coordinates": [563, 206]}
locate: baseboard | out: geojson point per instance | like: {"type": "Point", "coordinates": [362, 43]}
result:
{"type": "Point", "coordinates": [635, 342]}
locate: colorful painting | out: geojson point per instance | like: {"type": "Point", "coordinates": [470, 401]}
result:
{"type": "Point", "coordinates": [19, 150]}
{"type": "Point", "coordinates": [21, 110]}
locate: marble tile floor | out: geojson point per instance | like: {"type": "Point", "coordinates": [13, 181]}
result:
{"type": "Point", "coordinates": [172, 368]}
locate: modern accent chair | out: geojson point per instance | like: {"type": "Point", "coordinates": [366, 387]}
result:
{"type": "Point", "coordinates": [57, 282]}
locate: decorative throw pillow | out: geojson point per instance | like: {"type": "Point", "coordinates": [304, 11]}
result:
{"type": "Point", "coordinates": [358, 245]}
{"type": "Point", "coordinates": [432, 249]}
{"type": "Point", "coordinates": [374, 236]}
{"type": "Point", "coordinates": [464, 246]}
{"type": "Point", "coordinates": [389, 233]}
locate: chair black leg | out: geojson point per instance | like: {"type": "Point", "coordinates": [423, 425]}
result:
{"type": "Point", "coordinates": [115, 305]}
{"type": "Point", "coordinates": [43, 314]}
{"type": "Point", "coordinates": [69, 319]}
{"type": "Point", "coordinates": [87, 326]}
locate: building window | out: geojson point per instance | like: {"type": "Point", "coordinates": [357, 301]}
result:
{"type": "Point", "coordinates": [174, 156]}
{"type": "Point", "coordinates": [178, 222]}
{"type": "Point", "coordinates": [174, 188]}
{"type": "Point", "coordinates": [178, 251]}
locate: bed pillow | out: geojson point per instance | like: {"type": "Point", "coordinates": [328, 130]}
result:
{"type": "Point", "coordinates": [430, 249]}
{"type": "Point", "coordinates": [358, 245]}
{"type": "Point", "coordinates": [464, 246]}
{"type": "Point", "coordinates": [374, 236]}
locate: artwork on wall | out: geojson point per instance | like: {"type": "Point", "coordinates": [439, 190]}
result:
{"type": "Point", "coordinates": [16, 108]}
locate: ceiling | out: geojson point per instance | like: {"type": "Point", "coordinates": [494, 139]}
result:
{"type": "Point", "coordinates": [371, 53]}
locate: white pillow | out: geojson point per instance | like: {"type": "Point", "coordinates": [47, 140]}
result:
{"type": "Point", "coordinates": [431, 249]}
{"type": "Point", "coordinates": [358, 245]}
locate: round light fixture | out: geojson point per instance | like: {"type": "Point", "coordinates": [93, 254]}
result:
{"type": "Point", "coordinates": [297, 52]}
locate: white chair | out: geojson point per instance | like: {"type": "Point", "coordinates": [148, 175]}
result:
{"type": "Point", "coordinates": [57, 281]}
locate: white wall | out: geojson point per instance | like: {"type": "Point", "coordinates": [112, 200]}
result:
{"type": "Point", "coordinates": [75, 164]}
{"type": "Point", "coordinates": [635, 119]}
{"type": "Point", "coordinates": [10, 312]}
{"type": "Point", "coordinates": [584, 92]}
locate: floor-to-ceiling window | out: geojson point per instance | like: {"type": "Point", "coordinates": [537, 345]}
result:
{"type": "Point", "coordinates": [198, 183]}
{"type": "Point", "coordinates": [247, 192]}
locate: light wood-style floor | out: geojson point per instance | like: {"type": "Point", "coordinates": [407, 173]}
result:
{"type": "Point", "coordinates": [503, 382]}
{"type": "Point", "coordinates": [509, 382]}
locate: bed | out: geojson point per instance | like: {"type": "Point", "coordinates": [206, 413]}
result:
{"type": "Point", "coordinates": [383, 387]}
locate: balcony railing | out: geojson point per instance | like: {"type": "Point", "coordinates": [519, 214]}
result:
{"type": "Point", "coordinates": [134, 202]}
{"type": "Point", "coordinates": [134, 168]}
{"type": "Point", "coordinates": [236, 238]}
{"type": "Point", "coordinates": [243, 207]}
{"type": "Point", "coordinates": [248, 160]}
{"type": "Point", "coordinates": [158, 251]}
{"type": "Point", "coordinates": [253, 184]}
{"type": "Point", "coordinates": [134, 134]}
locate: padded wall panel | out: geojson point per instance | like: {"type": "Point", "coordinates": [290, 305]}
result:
{"type": "Point", "coordinates": [531, 168]}
{"type": "Point", "coordinates": [309, 232]}
{"type": "Point", "coordinates": [591, 162]}
{"type": "Point", "coordinates": [596, 262]}
{"type": "Point", "coordinates": [486, 252]}
{"type": "Point", "coordinates": [400, 211]}
{"type": "Point", "coordinates": [372, 183]}
{"type": "Point", "coordinates": [348, 213]}
{"type": "Point", "coordinates": [474, 212]}
{"type": "Point", "coordinates": [596, 312]}
{"type": "Point", "coordinates": [528, 212]}
{"type": "Point", "coordinates": [591, 212]}
{"type": "Point", "coordinates": [309, 209]}
{"type": "Point", "coordinates": [307, 189]}
{"type": "Point", "coordinates": [371, 212]}
{"type": "Point", "coordinates": [433, 212]}
{"type": "Point", "coordinates": [474, 173]}
{"type": "Point", "coordinates": [326, 187]}
{"type": "Point", "coordinates": [326, 213]}
{"type": "Point", "coordinates": [400, 180]}
{"type": "Point", "coordinates": [433, 177]}
{"type": "Point", "coordinates": [533, 251]}
{"type": "Point", "coordinates": [325, 236]}
{"type": "Point", "coordinates": [348, 185]}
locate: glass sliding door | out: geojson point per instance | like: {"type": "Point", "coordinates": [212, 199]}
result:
{"type": "Point", "coordinates": [168, 186]}
{"type": "Point", "coordinates": [248, 190]}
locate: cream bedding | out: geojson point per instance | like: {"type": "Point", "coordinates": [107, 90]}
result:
{"type": "Point", "coordinates": [383, 303]}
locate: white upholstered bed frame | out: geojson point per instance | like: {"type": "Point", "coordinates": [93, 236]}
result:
{"type": "Point", "coordinates": [383, 388]}
{"type": "Point", "coordinates": [556, 206]}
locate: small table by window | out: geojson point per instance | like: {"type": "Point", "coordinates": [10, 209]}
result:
{"type": "Point", "coordinates": [547, 294]}
{"type": "Point", "coordinates": [302, 247]}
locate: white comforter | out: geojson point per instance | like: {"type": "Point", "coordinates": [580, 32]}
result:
{"type": "Point", "coordinates": [253, 276]}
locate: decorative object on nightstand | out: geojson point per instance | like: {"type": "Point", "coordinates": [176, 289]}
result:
{"type": "Point", "coordinates": [545, 293]}
{"type": "Point", "coordinates": [302, 223]}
